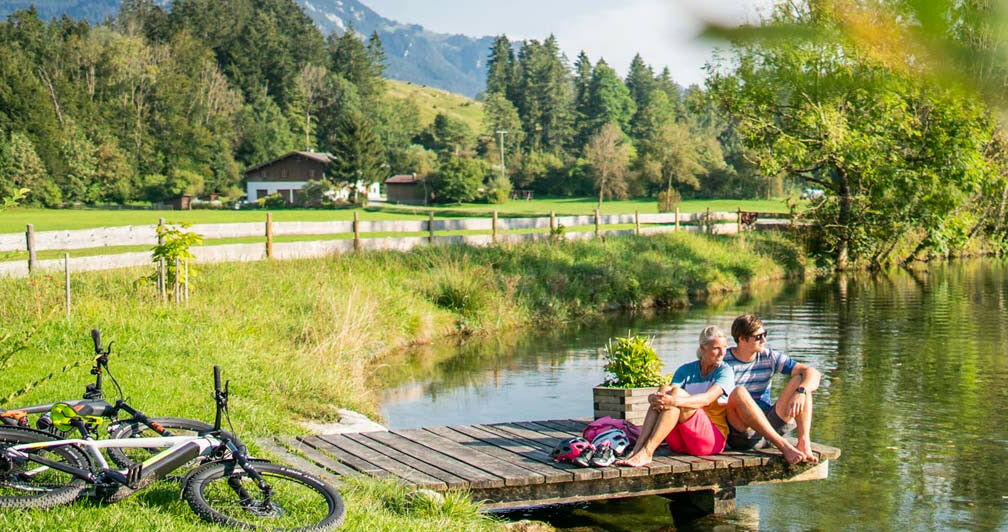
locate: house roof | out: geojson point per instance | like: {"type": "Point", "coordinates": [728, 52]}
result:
{"type": "Point", "coordinates": [405, 178]}
{"type": "Point", "coordinates": [323, 158]}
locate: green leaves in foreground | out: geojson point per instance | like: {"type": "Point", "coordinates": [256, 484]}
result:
{"type": "Point", "coordinates": [633, 363]}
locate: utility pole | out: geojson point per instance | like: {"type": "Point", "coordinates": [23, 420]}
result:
{"type": "Point", "coordinates": [501, 133]}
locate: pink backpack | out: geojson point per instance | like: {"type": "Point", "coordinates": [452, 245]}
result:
{"type": "Point", "coordinates": [603, 424]}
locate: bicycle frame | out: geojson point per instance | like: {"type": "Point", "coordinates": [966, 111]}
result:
{"type": "Point", "coordinates": [177, 451]}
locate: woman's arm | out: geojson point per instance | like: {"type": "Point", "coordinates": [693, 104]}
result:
{"type": "Point", "coordinates": [699, 400]}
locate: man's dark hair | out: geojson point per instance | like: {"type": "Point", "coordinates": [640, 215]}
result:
{"type": "Point", "coordinates": [745, 325]}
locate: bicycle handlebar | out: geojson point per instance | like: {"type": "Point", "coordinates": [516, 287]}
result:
{"type": "Point", "coordinates": [216, 379]}
{"type": "Point", "coordinates": [96, 336]}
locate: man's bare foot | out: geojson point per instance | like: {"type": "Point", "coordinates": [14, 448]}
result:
{"type": "Point", "coordinates": [805, 446]}
{"type": "Point", "coordinates": [637, 460]}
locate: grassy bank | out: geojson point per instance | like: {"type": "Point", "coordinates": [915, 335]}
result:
{"type": "Point", "coordinates": [298, 338]}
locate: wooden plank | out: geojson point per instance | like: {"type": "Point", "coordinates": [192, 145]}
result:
{"type": "Point", "coordinates": [312, 228]}
{"type": "Point", "coordinates": [284, 455]}
{"type": "Point", "coordinates": [509, 451]}
{"type": "Point", "coordinates": [748, 459]}
{"type": "Point", "coordinates": [674, 464]}
{"type": "Point", "coordinates": [381, 461]}
{"type": "Point", "coordinates": [536, 450]}
{"type": "Point", "coordinates": [544, 443]}
{"type": "Point", "coordinates": [321, 458]}
{"type": "Point", "coordinates": [229, 230]}
{"type": "Point", "coordinates": [498, 461]}
{"type": "Point", "coordinates": [432, 459]}
{"type": "Point", "coordinates": [511, 474]}
{"type": "Point", "coordinates": [414, 459]}
{"type": "Point", "coordinates": [347, 459]}
{"type": "Point", "coordinates": [560, 435]}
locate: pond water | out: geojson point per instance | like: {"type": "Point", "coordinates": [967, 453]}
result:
{"type": "Point", "coordinates": [914, 393]}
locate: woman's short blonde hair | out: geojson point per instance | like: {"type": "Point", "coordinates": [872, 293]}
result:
{"type": "Point", "coordinates": [707, 335]}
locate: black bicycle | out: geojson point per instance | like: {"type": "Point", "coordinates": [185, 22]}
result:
{"type": "Point", "coordinates": [38, 470]}
{"type": "Point", "coordinates": [93, 417]}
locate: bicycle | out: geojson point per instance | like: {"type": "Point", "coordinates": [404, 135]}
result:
{"type": "Point", "coordinates": [93, 413]}
{"type": "Point", "coordinates": [38, 470]}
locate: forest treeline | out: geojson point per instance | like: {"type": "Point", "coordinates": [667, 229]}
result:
{"type": "Point", "coordinates": [158, 102]}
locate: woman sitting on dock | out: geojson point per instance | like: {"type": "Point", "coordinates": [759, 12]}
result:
{"type": "Point", "coordinates": [689, 414]}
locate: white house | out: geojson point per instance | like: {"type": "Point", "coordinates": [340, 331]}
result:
{"type": "Point", "coordinates": [288, 174]}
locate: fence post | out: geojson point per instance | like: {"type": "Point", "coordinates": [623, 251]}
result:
{"type": "Point", "coordinates": [596, 223]}
{"type": "Point", "coordinates": [160, 237]}
{"type": "Point", "coordinates": [636, 215]}
{"type": "Point", "coordinates": [269, 235]}
{"type": "Point", "coordinates": [553, 222]}
{"type": "Point", "coordinates": [677, 218]}
{"type": "Point", "coordinates": [32, 258]}
{"type": "Point", "coordinates": [494, 237]}
{"type": "Point", "coordinates": [738, 221]}
{"type": "Point", "coordinates": [430, 227]}
{"type": "Point", "coordinates": [356, 231]}
{"type": "Point", "coordinates": [176, 295]}
{"type": "Point", "coordinates": [66, 280]}
{"type": "Point", "coordinates": [185, 291]}
{"type": "Point", "coordinates": [707, 222]}
{"type": "Point", "coordinates": [162, 290]}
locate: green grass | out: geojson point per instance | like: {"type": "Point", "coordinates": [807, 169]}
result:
{"type": "Point", "coordinates": [431, 101]}
{"type": "Point", "coordinates": [300, 339]}
{"type": "Point", "coordinates": [15, 220]}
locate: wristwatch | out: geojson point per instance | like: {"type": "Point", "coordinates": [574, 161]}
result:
{"type": "Point", "coordinates": [801, 389]}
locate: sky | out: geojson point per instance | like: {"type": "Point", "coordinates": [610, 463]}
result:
{"type": "Point", "coordinates": [662, 31]}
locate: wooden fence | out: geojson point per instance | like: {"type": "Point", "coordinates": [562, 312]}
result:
{"type": "Point", "coordinates": [354, 235]}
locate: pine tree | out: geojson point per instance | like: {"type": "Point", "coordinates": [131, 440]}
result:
{"type": "Point", "coordinates": [640, 81]}
{"type": "Point", "coordinates": [608, 99]}
{"type": "Point", "coordinates": [501, 68]}
{"type": "Point", "coordinates": [359, 156]}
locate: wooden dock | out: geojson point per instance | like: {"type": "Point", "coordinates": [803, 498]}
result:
{"type": "Point", "coordinates": [507, 465]}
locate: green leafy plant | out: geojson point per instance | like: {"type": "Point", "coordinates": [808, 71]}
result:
{"type": "Point", "coordinates": [633, 363]}
{"type": "Point", "coordinates": [12, 201]}
{"type": "Point", "coordinates": [175, 242]}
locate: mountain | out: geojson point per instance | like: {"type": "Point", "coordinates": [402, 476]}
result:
{"type": "Point", "coordinates": [456, 63]}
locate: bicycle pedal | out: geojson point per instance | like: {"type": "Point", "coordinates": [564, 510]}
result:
{"type": "Point", "coordinates": [133, 474]}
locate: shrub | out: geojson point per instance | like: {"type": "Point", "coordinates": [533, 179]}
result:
{"type": "Point", "coordinates": [633, 363]}
{"type": "Point", "coordinates": [668, 200]}
{"type": "Point", "coordinates": [498, 190]}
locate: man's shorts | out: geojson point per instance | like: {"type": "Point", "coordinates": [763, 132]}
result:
{"type": "Point", "coordinates": [697, 436]}
{"type": "Point", "coordinates": [743, 440]}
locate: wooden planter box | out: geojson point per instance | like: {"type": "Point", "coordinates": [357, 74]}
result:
{"type": "Point", "coordinates": [630, 404]}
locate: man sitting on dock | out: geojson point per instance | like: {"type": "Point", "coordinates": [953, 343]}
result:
{"type": "Point", "coordinates": [751, 415]}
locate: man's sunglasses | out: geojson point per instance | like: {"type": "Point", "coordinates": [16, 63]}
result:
{"type": "Point", "coordinates": [759, 337]}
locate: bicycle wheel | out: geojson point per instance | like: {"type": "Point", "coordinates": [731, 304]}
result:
{"type": "Point", "coordinates": [32, 485]}
{"type": "Point", "coordinates": [175, 425]}
{"type": "Point", "coordinates": [223, 493]}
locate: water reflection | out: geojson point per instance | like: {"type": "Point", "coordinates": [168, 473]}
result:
{"type": "Point", "coordinates": [914, 393]}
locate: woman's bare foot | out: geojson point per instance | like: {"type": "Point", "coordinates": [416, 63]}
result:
{"type": "Point", "coordinates": [640, 459]}
{"type": "Point", "coordinates": [792, 454]}
{"type": "Point", "coordinates": [805, 446]}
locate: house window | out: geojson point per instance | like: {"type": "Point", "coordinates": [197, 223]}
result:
{"type": "Point", "coordinates": [261, 193]}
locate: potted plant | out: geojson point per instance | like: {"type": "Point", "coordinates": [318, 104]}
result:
{"type": "Point", "coordinates": [634, 373]}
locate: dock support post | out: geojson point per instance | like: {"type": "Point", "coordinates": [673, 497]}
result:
{"type": "Point", "coordinates": [690, 505]}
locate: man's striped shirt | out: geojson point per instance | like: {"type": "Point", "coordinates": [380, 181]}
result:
{"type": "Point", "coordinates": [756, 375]}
